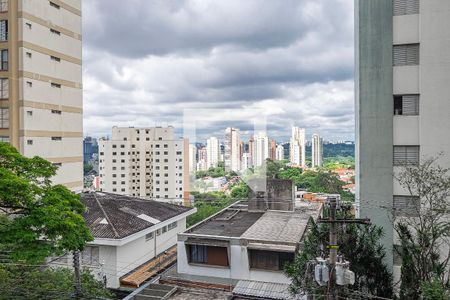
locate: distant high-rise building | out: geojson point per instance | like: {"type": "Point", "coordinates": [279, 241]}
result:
{"type": "Point", "coordinates": [273, 150]}
{"type": "Point", "coordinates": [212, 152]}
{"type": "Point", "coordinates": [280, 152]}
{"type": "Point", "coordinates": [145, 162]}
{"type": "Point", "coordinates": [202, 162]}
{"type": "Point", "coordinates": [402, 103]}
{"type": "Point", "coordinates": [232, 149]}
{"type": "Point", "coordinates": [41, 102]}
{"type": "Point", "coordinates": [251, 147]}
{"type": "Point", "coordinates": [192, 158]}
{"type": "Point", "coordinates": [297, 151]}
{"type": "Point", "coordinates": [316, 151]}
{"type": "Point", "coordinates": [261, 149]}
{"type": "Point", "coordinates": [246, 161]}
{"type": "Point", "coordinates": [90, 147]}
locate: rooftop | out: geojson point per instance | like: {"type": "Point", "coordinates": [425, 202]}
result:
{"type": "Point", "coordinates": [116, 216]}
{"type": "Point", "coordinates": [266, 226]}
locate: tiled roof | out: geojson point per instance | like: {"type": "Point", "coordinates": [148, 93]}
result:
{"type": "Point", "coordinates": [118, 216]}
{"type": "Point", "coordinates": [264, 290]}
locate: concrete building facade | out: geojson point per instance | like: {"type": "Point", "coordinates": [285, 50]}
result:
{"type": "Point", "coordinates": [212, 152]}
{"type": "Point", "coordinates": [402, 107]}
{"type": "Point", "coordinates": [316, 151]}
{"type": "Point", "coordinates": [280, 152]}
{"type": "Point", "coordinates": [297, 150]}
{"type": "Point", "coordinates": [145, 162]}
{"type": "Point", "coordinates": [232, 152]}
{"type": "Point", "coordinates": [41, 100]}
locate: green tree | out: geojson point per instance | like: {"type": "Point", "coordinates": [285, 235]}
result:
{"type": "Point", "coordinates": [240, 191]}
{"type": "Point", "coordinates": [38, 219]}
{"type": "Point", "coordinates": [360, 246]}
{"type": "Point", "coordinates": [24, 282]}
{"type": "Point", "coordinates": [425, 232]}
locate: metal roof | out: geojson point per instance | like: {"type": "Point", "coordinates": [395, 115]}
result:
{"type": "Point", "coordinates": [260, 289]}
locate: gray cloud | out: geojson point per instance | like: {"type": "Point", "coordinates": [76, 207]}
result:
{"type": "Point", "coordinates": [147, 61]}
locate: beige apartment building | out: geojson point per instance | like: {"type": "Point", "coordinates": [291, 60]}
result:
{"type": "Point", "coordinates": [41, 100]}
{"type": "Point", "coordinates": [145, 162]}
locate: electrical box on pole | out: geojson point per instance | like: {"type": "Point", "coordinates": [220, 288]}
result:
{"type": "Point", "coordinates": [321, 271]}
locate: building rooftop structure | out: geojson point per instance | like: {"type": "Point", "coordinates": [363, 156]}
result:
{"type": "Point", "coordinates": [115, 216]}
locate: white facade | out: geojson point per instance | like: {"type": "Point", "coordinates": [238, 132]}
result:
{"type": "Point", "coordinates": [280, 152]}
{"type": "Point", "coordinates": [202, 162]}
{"type": "Point", "coordinates": [212, 152]}
{"type": "Point", "coordinates": [192, 158]}
{"type": "Point", "coordinates": [298, 147]}
{"type": "Point", "coordinates": [247, 161]}
{"type": "Point", "coordinates": [261, 151]}
{"type": "Point", "coordinates": [232, 150]}
{"type": "Point", "coordinates": [41, 84]}
{"type": "Point", "coordinates": [144, 162]}
{"type": "Point", "coordinates": [316, 151]}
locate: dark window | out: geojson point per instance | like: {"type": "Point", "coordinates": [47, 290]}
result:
{"type": "Point", "coordinates": [269, 260]}
{"type": "Point", "coordinates": [216, 256]}
{"type": "Point", "coordinates": [54, 31]}
{"type": "Point", "coordinates": [406, 206]}
{"type": "Point", "coordinates": [406, 55]}
{"type": "Point", "coordinates": [406, 155]}
{"type": "Point", "coordinates": [406, 7]}
{"type": "Point", "coordinates": [54, 5]}
{"type": "Point", "coordinates": [407, 105]}
{"type": "Point", "coordinates": [3, 30]}
{"type": "Point", "coordinates": [4, 60]}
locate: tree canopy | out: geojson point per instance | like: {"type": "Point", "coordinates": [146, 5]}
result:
{"type": "Point", "coordinates": [37, 219]}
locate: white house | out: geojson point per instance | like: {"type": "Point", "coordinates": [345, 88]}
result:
{"type": "Point", "coordinates": [241, 244]}
{"type": "Point", "coordinates": [133, 237]}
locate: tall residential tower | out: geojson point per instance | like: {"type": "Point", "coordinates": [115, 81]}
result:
{"type": "Point", "coordinates": [316, 151]}
{"type": "Point", "coordinates": [40, 83]}
{"type": "Point", "coordinates": [402, 101]}
{"type": "Point", "coordinates": [297, 150]}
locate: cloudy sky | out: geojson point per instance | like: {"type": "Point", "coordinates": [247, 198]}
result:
{"type": "Point", "coordinates": [289, 62]}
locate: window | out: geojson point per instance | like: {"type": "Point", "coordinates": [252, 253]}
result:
{"type": "Point", "coordinates": [54, 31]}
{"type": "Point", "coordinates": [29, 142]}
{"type": "Point", "coordinates": [408, 155]}
{"type": "Point", "coordinates": [406, 55]}
{"type": "Point", "coordinates": [54, 58]}
{"type": "Point", "coordinates": [149, 236]}
{"type": "Point", "coordinates": [29, 83]}
{"type": "Point", "coordinates": [4, 139]}
{"type": "Point", "coordinates": [209, 255]}
{"type": "Point", "coordinates": [90, 256]}
{"type": "Point", "coordinates": [406, 105]}
{"type": "Point", "coordinates": [28, 25]}
{"type": "Point", "coordinates": [164, 229]}
{"type": "Point", "coordinates": [406, 7]}
{"type": "Point", "coordinates": [55, 111]}
{"type": "Point", "coordinates": [179, 153]}
{"type": "Point", "coordinates": [3, 30]}
{"type": "Point", "coordinates": [56, 85]}
{"type": "Point", "coordinates": [3, 5]}
{"type": "Point", "coordinates": [57, 164]}
{"type": "Point", "coordinates": [4, 60]}
{"type": "Point", "coordinates": [406, 206]}
{"type": "Point", "coordinates": [28, 54]}
{"type": "Point", "coordinates": [4, 88]}
{"type": "Point", "coordinates": [29, 113]}
{"type": "Point", "coordinates": [158, 231]}
{"type": "Point", "coordinates": [172, 225]}
{"type": "Point", "coordinates": [4, 117]}
{"type": "Point", "coordinates": [53, 4]}
{"type": "Point", "coordinates": [269, 260]}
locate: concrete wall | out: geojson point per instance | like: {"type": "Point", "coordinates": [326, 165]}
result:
{"type": "Point", "coordinates": [374, 113]}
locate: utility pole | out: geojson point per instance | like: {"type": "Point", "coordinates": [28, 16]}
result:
{"type": "Point", "coordinates": [333, 246]}
{"type": "Point", "coordinates": [77, 277]}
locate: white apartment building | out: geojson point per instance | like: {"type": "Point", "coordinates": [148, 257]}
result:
{"type": "Point", "coordinates": [316, 151]}
{"type": "Point", "coordinates": [247, 161]}
{"type": "Point", "coordinates": [145, 162]}
{"type": "Point", "coordinates": [212, 152]}
{"type": "Point", "coordinates": [297, 149]}
{"type": "Point", "coordinates": [261, 150]}
{"type": "Point", "coordinates": [402, 101]}
{"type": "Point", "coordinates": [202, 164]}
{"type": "Point", "coordinates": [41, 101]}
{"type": "Point", "coordinates": [192, 159]}
{"type": "Point", "coordinates": [232, 149]}
{"type": "Point", "coordinates": [280, 152]}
